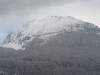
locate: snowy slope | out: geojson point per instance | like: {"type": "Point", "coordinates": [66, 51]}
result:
{"type": "Point", "coordinates": [44, 28]}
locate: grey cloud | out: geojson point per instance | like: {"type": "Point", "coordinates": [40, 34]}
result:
{"type": "Point", "coordinates": [14, 6]}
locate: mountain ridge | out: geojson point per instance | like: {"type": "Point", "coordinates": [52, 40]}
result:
{"type": "Point", "coordinates": [46, 27]}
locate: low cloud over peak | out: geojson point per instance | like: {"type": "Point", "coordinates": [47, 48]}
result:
{"type": "Point", "coordinates": [14, 6]}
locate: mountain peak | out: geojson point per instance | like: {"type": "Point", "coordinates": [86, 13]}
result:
{"type": "Point", "coordinates": [44, 28]}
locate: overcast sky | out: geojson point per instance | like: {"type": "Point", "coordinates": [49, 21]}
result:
{"type": "Point", "coordinates": [14, 13]}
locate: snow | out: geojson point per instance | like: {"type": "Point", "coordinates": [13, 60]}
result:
{"type": "Point", "coordinates": [40, 26]}
{"type": "Point", "coordinates": [49, 24]}
{"type": "Point", "coordinates": [13, 45]}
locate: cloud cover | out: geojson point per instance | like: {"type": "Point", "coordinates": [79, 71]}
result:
{"type": "Point", "coordinates": [20, 6]}
{"type": "Point", "coordinates": [14, 13]}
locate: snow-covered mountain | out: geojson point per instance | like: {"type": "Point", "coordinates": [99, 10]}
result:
{"type": "Point", "coordinates": [45, 28]}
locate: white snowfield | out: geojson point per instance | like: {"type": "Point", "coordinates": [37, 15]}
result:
{"type": "Point", "coordinates": [43, 28]}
